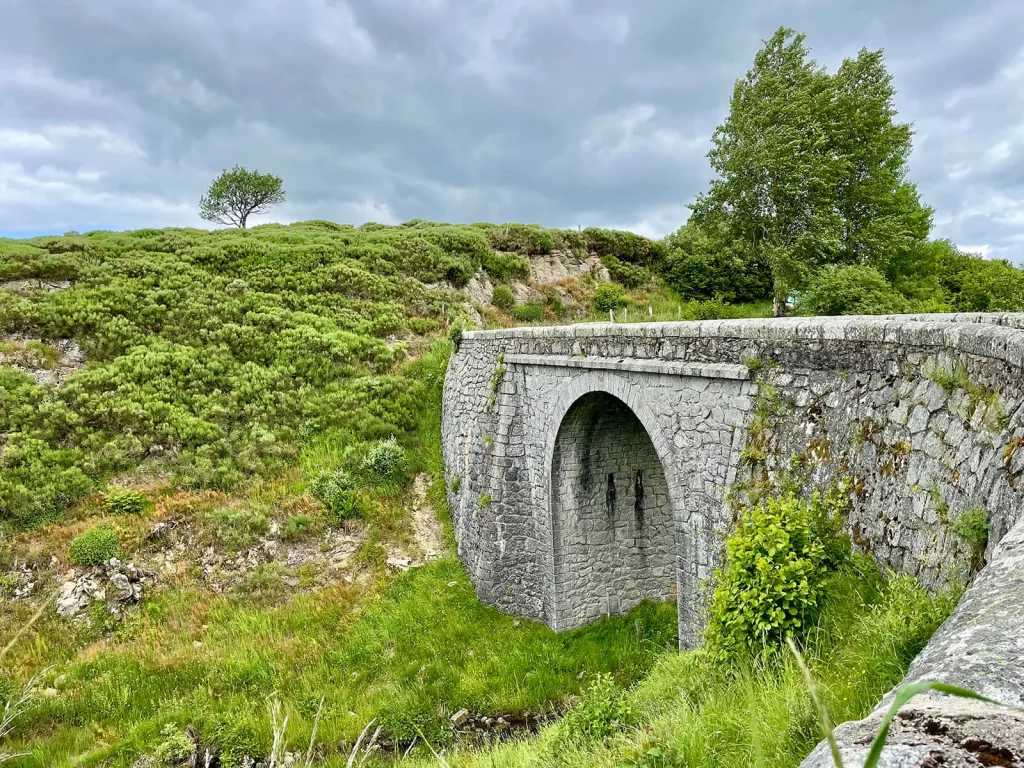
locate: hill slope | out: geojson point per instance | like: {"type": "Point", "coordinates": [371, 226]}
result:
{"type": "Point", "coordinates": [219, 412]}
{"type": "Point", "coordinates": [213, 355]}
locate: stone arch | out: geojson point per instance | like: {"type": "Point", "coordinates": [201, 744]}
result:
{"type": "Point", "coordinates": [608, 550]}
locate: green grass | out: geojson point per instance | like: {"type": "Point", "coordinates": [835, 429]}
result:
{"type": "Point", "coordinates": [410, 655]}
{"type": "Point", "coordinates": [422, 646]}
{"type": "Point", "coordinates": [694, 711]}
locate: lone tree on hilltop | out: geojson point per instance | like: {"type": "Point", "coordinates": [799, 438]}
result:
{"type": "Point", "coordinates": [237, 194]}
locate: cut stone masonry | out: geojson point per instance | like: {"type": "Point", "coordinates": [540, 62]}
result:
{"type": "Point", "coordinates": [606, 466]}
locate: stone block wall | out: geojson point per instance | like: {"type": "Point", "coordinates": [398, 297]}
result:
{"type": "Point", "coordinates": [922, 413]}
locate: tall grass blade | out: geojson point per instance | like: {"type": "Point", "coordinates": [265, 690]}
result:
{"type": "Point", "coordinates": [355, 749]}
{"type": "Point", "coordinates": [824, 720]}
{"type": "Point", "coordinates": [441, 761]}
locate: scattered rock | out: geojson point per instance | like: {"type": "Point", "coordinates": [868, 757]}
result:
{"type": "Point", "coordinates": [76, 594]}
{"type": "Point", "coordinates": [25, 586]}
{"type": "Point", "coordinates": [399, 563]}
{"type": "Point", "coordinates": [161, 530]}
{"type": "Point", "coordinates": [460, 718]}
{"type": "Point", "coordinates": [34, 284]}
{"type": "Point", "coordinates": [116, 583]}
{"type": "Point", "coordinates": [121, 591]}
{"type": "Point", "coordinates": [67, 358]}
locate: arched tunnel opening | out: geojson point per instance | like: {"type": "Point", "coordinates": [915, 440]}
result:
{"type": "Point", "coordinates": [614, 534]}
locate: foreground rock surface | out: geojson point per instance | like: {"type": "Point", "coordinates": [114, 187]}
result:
{"type": "Point", "coordinates": [980, 647]}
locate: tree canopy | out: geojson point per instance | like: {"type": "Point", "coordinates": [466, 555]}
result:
{"type": "Point", "coordinates": [237, 194]}
{"type": "Point", "coordinates": [811, 170]}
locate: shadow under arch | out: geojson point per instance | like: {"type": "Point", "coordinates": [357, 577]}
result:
{"type": "Point", "coordinates": [615, 505]}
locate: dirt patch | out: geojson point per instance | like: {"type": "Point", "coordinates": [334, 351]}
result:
{"type": "Point", "coordinates": [427, 533]}
{"type": "Point", "coordinates": [429, 536]}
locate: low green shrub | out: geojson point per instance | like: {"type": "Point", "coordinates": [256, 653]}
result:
{"type": "Point", "coordinates": [851, 290]}
{"type": "Point", "coordinates": [95, 546]}
{"type": "Point", "coordinates": [297, 527]}
{"type": "Point", "coordinates": [624, 246]}
{"type": "Point", "coordinates": [609, 297]}
{"type": "Point", "coordinates": [553, 301]}
{"type": "Point", "coordinates": [503, 298]}
{"type": "Point", "coordinates": [713, 309]}
{"type": "Point", "coordinates": [507, 266]}
{"type": "Point", "coordinates": [630, 275]}
{"type": "Point", "coordinates": [336, 491]}
{"type": "Point", "coordinates": [176, 748]}
{"type": "Point", "coordinates": [123, 501]}
{"type": "Point", "coordinates": [385, 462]}
{"type": "Point", "coordinates": [234, 739]}
{"type": "Point", "coordinates": [522, 238]}
{"type": "Point", "coordinates": [421, 326]}
{"type": "Point", "coordinates": [775, 571]}
{"type": "Point", "coordinates": [264, 583]}
{"type": "Point", "coordinates": [236, 528]}
{"type": "Point", "coordinates": [528, 313]}
{"type": "Point", "coordinates": [603, 711]}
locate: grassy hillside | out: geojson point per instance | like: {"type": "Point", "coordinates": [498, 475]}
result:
{"type": "Point", "coordinates": [248, 423]}
{"type": "Point", "coordinates": [212, 357]}
{"type": "Point", "coordinates": [219, 410]}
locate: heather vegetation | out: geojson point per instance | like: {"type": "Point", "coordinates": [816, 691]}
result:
{"type": "Point", "coordinates": [214, 356]}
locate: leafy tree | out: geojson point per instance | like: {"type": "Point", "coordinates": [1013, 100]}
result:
{"type": "Point", "coordinates": [851, 290]}
{"type": "Point", "coordinates": [979, 285]}
{"type": "Point", "coordinates": [701, 265]}
{"type": "Point", "coordinates": [237, 194]}
{"type": "Point", "coordinates": [991, 286]}
{"type": "Point", "coordinates": [811, 167]}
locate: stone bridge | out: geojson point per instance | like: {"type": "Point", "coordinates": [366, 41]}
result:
{"type": "Point", "coordinates": [592, 466]}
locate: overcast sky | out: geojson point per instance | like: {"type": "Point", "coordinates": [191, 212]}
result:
{"type": "Point", "coordinates": [118, 113]}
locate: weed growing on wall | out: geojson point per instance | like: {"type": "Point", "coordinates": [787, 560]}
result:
{"type": "Point", "coordinates": [955, 377]}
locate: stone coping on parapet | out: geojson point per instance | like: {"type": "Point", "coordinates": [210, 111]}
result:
{"type": "Point", "coordinates": [701, 370]}
{"type": "Point", "coordinates": [995, 335]}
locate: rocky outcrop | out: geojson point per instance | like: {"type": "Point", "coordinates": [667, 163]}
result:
{"type": "Point", "coordinates": [115, 583]}
{"type": "Point", "coordinates": [981, 648]}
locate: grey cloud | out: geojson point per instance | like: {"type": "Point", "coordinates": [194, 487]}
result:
{"type": "Point", "coordinates": [564, 112]}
